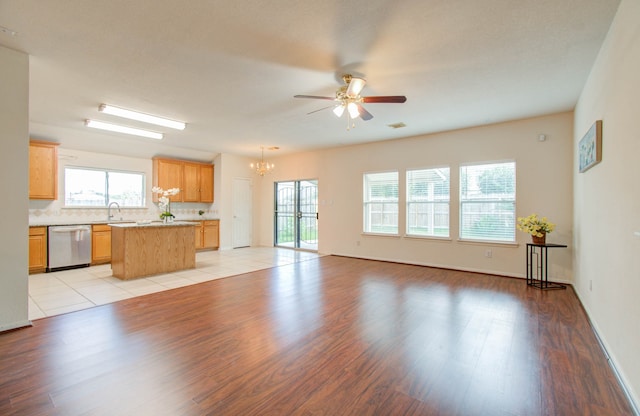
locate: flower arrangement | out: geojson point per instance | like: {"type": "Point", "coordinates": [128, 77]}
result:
{"type": "Point", "coordinates": [164, 202]}
{"type": "Point", "coordinates": [535, 226]}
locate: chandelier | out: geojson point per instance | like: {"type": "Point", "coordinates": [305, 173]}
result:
{"type": "Point", "coordinates": [263, 167]}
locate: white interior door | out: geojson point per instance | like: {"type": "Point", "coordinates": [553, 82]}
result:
{"type": "Point", "coordinates": [242, 206]}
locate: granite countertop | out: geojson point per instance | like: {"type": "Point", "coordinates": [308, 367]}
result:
{"type": "Point", "coordinates": [142, 224]}
{"type": "Point", "coordinates": [112, 223]}
{"type": "Point", "coordinates": [70, 222]}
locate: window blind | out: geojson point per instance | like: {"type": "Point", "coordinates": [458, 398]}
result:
{"type": "Point", "coordinates": [380, 202]}
{"type": "Point", "coordinates": [428, 202]}
{"type": "Point", "coordinates": [487, 201]}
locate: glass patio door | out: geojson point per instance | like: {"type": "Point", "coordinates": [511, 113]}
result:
{"type": "Point", "coordinates": [296, 214]}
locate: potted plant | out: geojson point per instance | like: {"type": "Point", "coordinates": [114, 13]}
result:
{"type": "Point", "coordinates": [164, 202]}
{"type": "Point", "coordinates": [536, 226]}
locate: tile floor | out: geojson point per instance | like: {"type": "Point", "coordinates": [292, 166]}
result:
{"type": "Point", "coordinates": [72, 290]}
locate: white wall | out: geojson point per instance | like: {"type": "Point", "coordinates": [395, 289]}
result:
{"type": "Point", "coordinates": [607, 197]}
{"type": "Point", "coordinates": [14, 185]}
{"type": "Point", "coordinates": [544, 184]}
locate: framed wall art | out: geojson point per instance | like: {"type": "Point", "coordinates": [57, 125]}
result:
{"type": "Point", "coordinates": [590, 147]}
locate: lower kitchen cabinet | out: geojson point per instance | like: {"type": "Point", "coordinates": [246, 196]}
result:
{"type": "Point", "coordinates": [37, 249]}
{"type": "Point", "coordinates": [100, 244]}
{"type": "Point", "coordinates": [208, 234]}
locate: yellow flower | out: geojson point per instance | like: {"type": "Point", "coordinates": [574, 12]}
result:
{"type": "Point", "coordinates": [534, 225]}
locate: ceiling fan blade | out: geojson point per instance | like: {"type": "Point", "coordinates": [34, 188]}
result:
{"type": "Point", "coordinates": [364, 114]}
{"type": "Point", "coordinates": [317, 97]}
{"type": "Point", "coordinates": [385, 99]}
{"type": "Point", "coordinates": [355, 86]}
{"type": "Point", "coordinates": [320, 109]}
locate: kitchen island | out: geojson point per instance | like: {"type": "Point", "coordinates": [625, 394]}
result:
{"type": "Point", "coordinates": [145, 249]}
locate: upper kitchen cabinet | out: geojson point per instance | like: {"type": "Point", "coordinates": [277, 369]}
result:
{"type": "Point", "coordinates": [43, 170]}
{"type": "Point", "coordinates": [194, 179]}
{"type": "Point", "coordinates": [198, 182]}
{"type": "Point", "coordinates": [206, 183]}
{"type": "Point", "coordinates": [167, 174]}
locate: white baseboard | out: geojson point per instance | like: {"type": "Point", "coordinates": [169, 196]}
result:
{"type": "Point", "coordinates": [15, 325]}
{"type": "Point", "coordinates": [633, 401]}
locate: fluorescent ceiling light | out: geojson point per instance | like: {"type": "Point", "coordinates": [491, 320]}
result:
{"type": "Point", "coordinates": [123, 129]}
{"type": "Point", "coordinates": [146, 118]}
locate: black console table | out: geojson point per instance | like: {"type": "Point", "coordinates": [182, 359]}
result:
{"type": "Point", "coordinates": [537, 262]}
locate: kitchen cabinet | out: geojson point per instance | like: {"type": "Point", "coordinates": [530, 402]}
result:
{"type": "Point", "coordinates": [208, 234]}
{"type": "Point", "coordinates": [37, 249]}
{"type": "Point", "coordinates": [206, 183]}
{"type": "Point", "coordinates": [150, 249]}
{"type": "Point", "coordinates": [197, 182]}
{"type": "Point", "coordinates": [191, 182]}
{"type": "Point", "coordinates": [167, 174]}
{"type": "Point", "coordinates": [43, 170]}
{"type": "Point", "coordinates": [194, 179]}
{"type": "Point", "coordinates": [100, 244]}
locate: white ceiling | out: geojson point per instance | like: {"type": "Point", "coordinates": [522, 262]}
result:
{"type": "Point", "coordinates": [230, 69]}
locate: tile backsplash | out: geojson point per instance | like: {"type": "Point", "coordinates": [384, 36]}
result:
{"type": "Point", "coordinates": [51, 214]}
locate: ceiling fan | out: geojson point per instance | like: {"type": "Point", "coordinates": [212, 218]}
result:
{"type": "Point", "coordinates": [348, 98]}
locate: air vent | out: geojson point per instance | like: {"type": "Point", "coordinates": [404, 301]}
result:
{"type": "Point", "coordinates": [397, 125]}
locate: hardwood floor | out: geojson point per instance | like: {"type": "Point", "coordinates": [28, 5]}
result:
{"type": "Point", "coordinates": [328, 336]}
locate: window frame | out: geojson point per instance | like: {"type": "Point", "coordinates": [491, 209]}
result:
{"type": "Point", "coordinates": [509, 201]}
{"type": "Point", "coordinates": [367, 203]}
{"type": "Point", "coordinates": [107, 198]}
{"type": "Point", "coordinates": [410, 201]}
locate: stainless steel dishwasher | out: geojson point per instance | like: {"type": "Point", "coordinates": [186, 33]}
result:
{"type": "Point", "coordinates": [69, 247]}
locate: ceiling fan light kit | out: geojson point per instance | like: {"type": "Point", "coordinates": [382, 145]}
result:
{"type": "Point", "coordinates": [348, 96]}
{"type": "Point", "coordinates": [352, 108]}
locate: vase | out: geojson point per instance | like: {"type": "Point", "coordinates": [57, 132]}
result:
{"type": "Point", "coordinates": [539, 240]}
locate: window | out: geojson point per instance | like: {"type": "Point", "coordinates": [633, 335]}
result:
{"type": "Point", "coordinates": [428, 202]}
{"type": "Point", "coordinates": [84, 187]}
{"type": "Point", "coordinates": [488, 202]}
{"type": "Point", "coordinates": [381, 203]}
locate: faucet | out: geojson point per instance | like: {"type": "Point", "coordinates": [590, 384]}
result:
{"type": "Point", "coordinates": [109, 214]}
